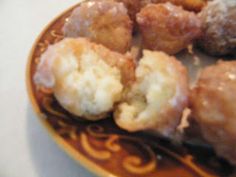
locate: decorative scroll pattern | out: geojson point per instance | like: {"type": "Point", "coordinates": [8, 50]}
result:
{"type": "Point", "coordinates": [68, 130]}
{"type": "Point", "coordinates": [186, 160]}
{"type": "Point", "coordinates": [56, 35]}
{"type": "Point", "coordinates": [131, 163]}
{"type": "Point", "coordinates": [47, 104]}
{"type": "Point", "coordinates": [97, 154]}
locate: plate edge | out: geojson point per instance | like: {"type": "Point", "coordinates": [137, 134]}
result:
{"type": "Point", "coordinates": [77, 156]}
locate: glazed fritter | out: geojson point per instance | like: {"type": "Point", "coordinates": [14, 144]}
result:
{"type": "Point", "coordinates": [219, 27]}
{"type": "Point", "coordinates": [214, 109]}
{"type": "Point", "coordinates": [192, 5]}
{"type": "Point", "coordinates": [87, 79]}
{"type": "Point", "coordinates": [167, 27]}
{"type": "Point", "coordinates": [104, 22]}
{"type": "Point", "coordinates": [157, 98]}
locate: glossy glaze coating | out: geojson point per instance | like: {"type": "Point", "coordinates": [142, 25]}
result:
{"type": "Point", "coordinates": [104, 22]}
{"type": "Point", "coordinates": [213, 107]}
{"type": "Point", "coordinates": [167, 27]}
{"type": "Point", "coordinates": [219, 27]}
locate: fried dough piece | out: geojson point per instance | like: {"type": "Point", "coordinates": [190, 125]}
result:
{"type": "Point", "coordinates": [104, 22]}
{"type": "Point", "coordinates": [219, 27]}
{"type": "Point", "coordinates": [158, 96]}
{"type": "Point", "coordinates": [167, 27]}
{"type": "Point", "coordinates": [192, 5]}
{"type": "Point", "coordinates": [133, 7]}
{"type": "Point", "coordinates": [87, 79]}
{"type": "Point", "coordinates": [214, 109]}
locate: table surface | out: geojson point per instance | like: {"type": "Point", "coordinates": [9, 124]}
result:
{"type": "Point", "coordinates": [26, 149]}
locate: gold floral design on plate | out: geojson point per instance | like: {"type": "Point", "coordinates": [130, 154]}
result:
{"type": "Point", "coordinates": [105, 149]}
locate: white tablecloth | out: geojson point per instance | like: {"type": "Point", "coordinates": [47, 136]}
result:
{"type": "Point", "coordinates": [26, 150]}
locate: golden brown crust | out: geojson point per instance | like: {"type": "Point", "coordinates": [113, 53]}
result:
{"type": "Point", "coordinates": [104, 22]}
{"type": "Point", "coordinates": [157, 98]}
{"type": "Point", "coordinates": [218, 28]}
{"type": "Point", "coordinates": [167, 27]}
{"type": "Point", "coordinates": [133, 7]}
{"type": "Point", "coordinates": [212, 103]}
{"type": "Point", "coordinates": [87, 79]}
{"type": "Point", "coordinates": [124, 62]}
{"type": "Point", "coordinates": [192, 5]}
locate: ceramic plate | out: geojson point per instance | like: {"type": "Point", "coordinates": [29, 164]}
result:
{"type": "Point", "coordinates": [107, 150]}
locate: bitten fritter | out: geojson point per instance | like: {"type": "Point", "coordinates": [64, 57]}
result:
{"type": "Point", "coordinates": [157, 98]}
{"type": "Point", "coordinates": [104, 22]}
{"type": "Point", "coordinates": [167, 27]}
{"type": "Point", "coordinates": [87, 79]}
{"type": "Point", "coordinates": [214, 109]}
{"type": "Point", "coordinates": [219, 27]}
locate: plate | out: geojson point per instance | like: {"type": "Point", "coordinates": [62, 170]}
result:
{"type": "Point", "coordinates": [107, 150]}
